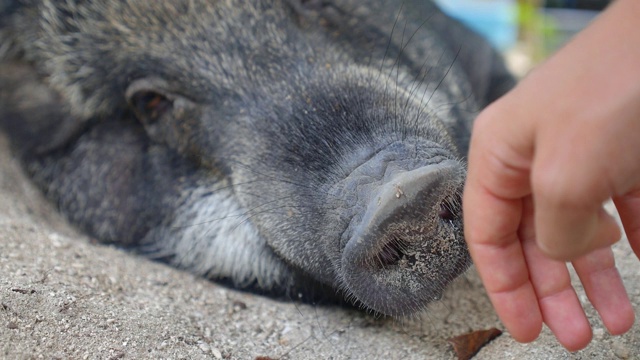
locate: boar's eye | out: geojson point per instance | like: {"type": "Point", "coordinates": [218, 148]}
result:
{"type": "Point", "coordinates": [161, 111]}
{"type": "Point", "coordinates": [150, 99]}
{"type": "Point", "coordinates": [149, 106]}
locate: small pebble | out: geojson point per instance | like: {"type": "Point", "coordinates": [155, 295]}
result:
{"type": "Point", "coordinates": [216, 353]}
{"type": "Point", "coordinates": [598, 333]}
{"type": "Point", "coordinates": [621, 350]}
{"type": "Point", "coordinates": [204, 347]}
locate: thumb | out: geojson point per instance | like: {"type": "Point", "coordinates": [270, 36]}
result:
{"type": "Point", "coordinates": [566, 232]}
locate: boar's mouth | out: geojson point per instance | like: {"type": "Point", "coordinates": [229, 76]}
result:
{"type": "Point", "coordinates": [409, 245]}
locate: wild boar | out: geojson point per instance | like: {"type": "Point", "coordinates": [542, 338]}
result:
{"type": "Point", "coordinates": [299, 148]}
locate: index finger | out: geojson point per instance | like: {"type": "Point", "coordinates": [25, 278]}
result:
{"type": "Point", "coordinates": [492, 207]}
{"type": "Point", "coordinates": [502, 267]}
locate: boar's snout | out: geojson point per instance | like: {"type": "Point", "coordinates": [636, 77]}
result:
{"type": "Point", "coordinates": [409, 244]}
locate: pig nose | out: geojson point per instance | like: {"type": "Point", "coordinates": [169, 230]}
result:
{"type": "Point", "coordinates": [420, 197]}
{"type": "Point", "coordinates": [409, 239]}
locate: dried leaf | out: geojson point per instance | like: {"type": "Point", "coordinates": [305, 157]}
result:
{"type": "Point", "coordinates": [467, 345]}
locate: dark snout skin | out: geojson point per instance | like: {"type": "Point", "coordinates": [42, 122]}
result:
{"type": "Point", "coordinates": [404, 242]}
{"type": "Point", "coordinates": [408, 244]}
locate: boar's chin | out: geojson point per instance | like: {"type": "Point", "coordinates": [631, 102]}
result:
{"type": "Point", "coordinates": [407, 244]}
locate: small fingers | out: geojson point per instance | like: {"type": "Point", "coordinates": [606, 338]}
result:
{"type": "Point", "coordinates": [497, 254]}
{"type": "Point", "coordinates": [497, 180]}
{"type": "Point", "coordinates": [504, 274]}
{"type": "Point", "coordinates": [500, 262]}
{"type": "Point", "coordinates": [605, 290]}
{"type": "Point", "coordinates": [559, 304]}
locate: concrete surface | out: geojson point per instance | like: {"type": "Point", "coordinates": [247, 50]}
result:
{"type": "Point", "coordinates": [62, 296]}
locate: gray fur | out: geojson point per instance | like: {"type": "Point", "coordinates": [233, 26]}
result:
{"type": "Point", "coordinates": [248, 140]}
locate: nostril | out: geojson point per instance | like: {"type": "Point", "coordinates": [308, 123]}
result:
{"type": "Point", "coordinates": [391, 253]}
{"type": "Point", "coordinates": [450, 209]}
{"type": "Point", "coordinates": [446, 213]}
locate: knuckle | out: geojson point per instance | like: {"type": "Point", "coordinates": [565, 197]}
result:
{"type": "Point", "coordinates": [558, 189]}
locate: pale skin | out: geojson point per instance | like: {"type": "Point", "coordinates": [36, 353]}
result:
{"type": "Point", "coordinates": [543, 160]}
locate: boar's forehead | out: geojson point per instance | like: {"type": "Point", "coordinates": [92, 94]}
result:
{"type": "Point", "coordinates": [231, 44]}
{"type": "Point", "coordinates": [239, 46]}
{"type": "Point", "coordinates": [226, 41]}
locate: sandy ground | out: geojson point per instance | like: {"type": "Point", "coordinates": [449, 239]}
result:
{"type": "Point", "coordinates": [62, 296]}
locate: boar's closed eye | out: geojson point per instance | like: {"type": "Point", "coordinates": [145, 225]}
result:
{"type": "Point", "coordinates": [149, 106]}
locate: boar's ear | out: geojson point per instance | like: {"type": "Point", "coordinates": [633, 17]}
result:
{"type": "Point", "coordinates": [482, 64]}
{"type": "Point", "coordinates": [33, 115]}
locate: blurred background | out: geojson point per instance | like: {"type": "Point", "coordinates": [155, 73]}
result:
{"type": "Point", "coordinates": [526, 31]}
